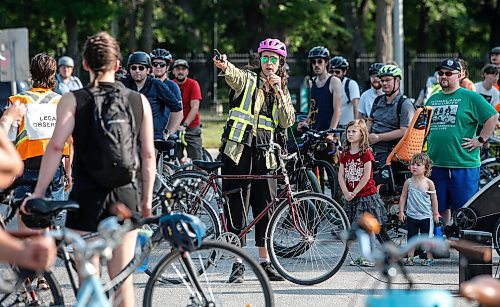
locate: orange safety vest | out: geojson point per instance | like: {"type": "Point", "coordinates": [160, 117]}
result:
{"type": "Point", "coordinates": [34, 148]}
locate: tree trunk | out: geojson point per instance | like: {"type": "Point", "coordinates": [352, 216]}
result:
{"type": "Point", "coordinates": [383, 33]}
{"type": "Point", "coordinates": [131, 25]}
{"type": "Point", "coordinates": [72, 51]}
{"type": "Point", "coordinates": [147, 32]}
{"type": "Point", "coordinates": [353, 23]}
{"type": "Point", "coordinates": [422, 28]}
{"type": "Point", "coordinates": [495, 29]}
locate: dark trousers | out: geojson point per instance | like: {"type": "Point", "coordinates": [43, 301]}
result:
{"type": "Point", "coordinates": [255, 193]}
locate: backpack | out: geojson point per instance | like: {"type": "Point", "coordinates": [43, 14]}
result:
{"type": "Point", "coordinates": [348, 92]}
{"type": "Point", "coordinates": [112, 153]}
{"type": "Point", "coordinates": [401, 100]}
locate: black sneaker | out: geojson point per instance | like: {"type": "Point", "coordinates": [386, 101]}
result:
{"type": "Point", "coordinates": [271, 272]}
{"type": "Point", "coordinates": [237, 273]}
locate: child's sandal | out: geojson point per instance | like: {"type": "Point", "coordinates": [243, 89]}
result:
{"type": "Point", "coordinates": [409, 261]}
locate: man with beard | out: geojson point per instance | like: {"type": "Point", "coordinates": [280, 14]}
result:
{"type": "Point", "coordinates": [369, 96]}
{"type": "Point", "coordinates": [390, 115]}
{"type": "Point", "coordinates": [158, 94]}
{"type": "Point", "coordinates": [190, 130]}
{"type": "Point", "coordinates": [453, 144]}
{"type": "Point", "coordinates": [326, 93]}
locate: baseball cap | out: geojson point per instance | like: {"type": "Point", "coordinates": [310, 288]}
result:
{"type": "Point", "coordinates": [450, 64]}
{"type": "Point", "coordinates": [495, 50]}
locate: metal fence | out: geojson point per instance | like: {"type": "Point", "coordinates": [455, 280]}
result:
{"type": "Point", "coordinates": [417, 68]}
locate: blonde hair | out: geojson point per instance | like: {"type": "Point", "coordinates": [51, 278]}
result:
{"type": "Point", "coordinates": [423, 158]}
{"type": "Point", "coordinates": [363, 143]}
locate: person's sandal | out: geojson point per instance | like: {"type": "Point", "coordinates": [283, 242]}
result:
{"type": "Point", "coordinates": [42, 284]}
{"type": "Point", "coordinates": [428, 262]}
{"type": "Point", "coordinates": [409, 262]}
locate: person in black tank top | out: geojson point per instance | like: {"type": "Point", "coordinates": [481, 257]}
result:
{"type": "Point", "coordinates": [74, 116]}
{"type": "Point", "coordinates": [326, 93]}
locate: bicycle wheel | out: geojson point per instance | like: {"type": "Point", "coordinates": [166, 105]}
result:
{"type": "Point", "coordinates": [213, 289]}
{"type": "Point", "coordinates": [206, 156]}
{"type": "Point", "coordinates": [212, 195]}
{"type": "Point", "coordinates": [205, 212]}
{"type": "Point", "coordinates": [496, 236]}
{"type": "Point", "coordinates": [328, 178]}
{"type": "Point", "coordinates": [304, 241]}
{"type": "Point", "coordinates": [26, 292]}
{"type": "Point", "coordinates": [393, 230]}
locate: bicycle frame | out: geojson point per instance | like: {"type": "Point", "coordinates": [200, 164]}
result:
{"type": "Point", "coordinates": [285, 194]}
{"type": "Point", "coordinates": [92, 293]}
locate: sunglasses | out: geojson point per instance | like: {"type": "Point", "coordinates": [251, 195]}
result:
{"type": "Point", "coordinates": [316, 61]}
{"type": "Point", "coordinates": [266, 59]}
{"type": "Point", "coordinates": [447, 73]}
{"type": "Point", "coordinates": [337, 71]}
{"type": "Point", "coordinates": [136, 67]}
{"type": "Point", "coordinates": [159, 64]}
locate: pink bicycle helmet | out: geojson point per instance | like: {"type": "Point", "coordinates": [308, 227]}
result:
{"type": "Point", "coordinates": [273, 45]}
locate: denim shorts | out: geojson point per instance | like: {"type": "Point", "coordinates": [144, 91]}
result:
{"type": "Point", "coordinates": [454, 186]}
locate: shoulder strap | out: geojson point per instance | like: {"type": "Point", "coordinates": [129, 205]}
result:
{"type": "Point", "coordinates": [400, 105]}
{"type": "Point", "coordinates": [375, 103]}
{"type": "Point", "coordinates": [346, 89]}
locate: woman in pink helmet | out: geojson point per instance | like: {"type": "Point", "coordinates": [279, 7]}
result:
{"type": "Point", "coordinates": [260, 106]}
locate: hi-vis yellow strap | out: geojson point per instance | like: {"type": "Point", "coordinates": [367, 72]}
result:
{"type": "Point", "coordinates": [242, 116]}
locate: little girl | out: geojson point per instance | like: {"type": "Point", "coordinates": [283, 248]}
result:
{"type": "Point", "coordinates": [356, 179]}
{"type": "Point", "coordinates": [419, 195]}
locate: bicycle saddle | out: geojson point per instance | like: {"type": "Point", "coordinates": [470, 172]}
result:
{"type": "Point", "coordinates": [164, 145]}
{"type": "Point", "coordinates": [39, 206]}
{"type": "Point", "coordinates": [483, 289]}
{"type": "Point", "coordinates": [208, 166]}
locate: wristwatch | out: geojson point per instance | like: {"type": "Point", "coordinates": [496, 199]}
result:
{"type": "Point", "coordinates": [185, 125]}
{"type": "Point", "coordinates": [481, 140]}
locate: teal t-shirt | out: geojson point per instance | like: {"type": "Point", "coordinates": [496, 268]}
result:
{"type": "Point", "coordinates": [456, 116]}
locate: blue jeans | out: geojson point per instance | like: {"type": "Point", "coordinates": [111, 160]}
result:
{"type": "Point", "coordinates": [55, 190]}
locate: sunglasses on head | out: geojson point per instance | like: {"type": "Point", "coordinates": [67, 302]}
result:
{"type": "Point", "coordinates": [265, 59]}
{"type": "Point", "coordinates": [316, 61]}
{"type": "Point", "coordinates": [337, 71]}
{"type": "Point", "coordinates": [136, 67]}
{"type": "Point", "coordinates": [447, 73]}
{"type": "Point", "coordinates": [159, 64]}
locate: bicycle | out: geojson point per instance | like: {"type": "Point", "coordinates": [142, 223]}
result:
{"type": "Point", "coordinates": [302, 235]}
{"type": "Point", "coordinates": [388, 257]}
{"type": "Point", "coordinates": [490, 164]}
{"type": "Point", "coordinates": [200, 279]}
{"type": "Point", "coordinates": [324, 177]}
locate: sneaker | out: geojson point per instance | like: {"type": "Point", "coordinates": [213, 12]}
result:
{"type": "Point", "coordinates": [271, 272]}
{"type": "Point", "coordinates": [428, 262]}
{"type": "Point", "coordinates": [362, 262]}
{"type": "Point", "coordinates": [410, 261]}
{"type": "Point", "coordinates": [42, 284]}
{"type": "Point", "coordinates": [237, 273]}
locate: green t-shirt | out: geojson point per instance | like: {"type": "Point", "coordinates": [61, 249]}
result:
{"type": "Point", "coordinates": [456, 116]}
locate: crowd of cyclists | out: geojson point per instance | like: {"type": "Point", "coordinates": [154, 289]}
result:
{"type": "Point", "coordinates": [95, 144]}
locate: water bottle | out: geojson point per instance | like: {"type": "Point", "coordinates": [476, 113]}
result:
{"type": "Point", "coordinates": [438, 229]}
{"type": "Point", "coordinates": [143, 236]}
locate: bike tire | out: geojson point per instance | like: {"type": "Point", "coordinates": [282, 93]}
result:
{"type": "Point", "coordinates": [51, 297]}
{"type": "Point", "coordinates": [496, 236]}
{"type": "Point", "coordinates": [215, 276]}
{"type": "Point", "coordinates": [209, 217]}
{"type": "Point", "coordinates": [320, 252]}
{"type": "Point", "coordinates": [488, 170]}
{"type": "Point", "coordinates": [332, 181]}
{"type": "Point", "coordinates": [393, 230]}
{"type": "Point", "coordinates": [206, 156]}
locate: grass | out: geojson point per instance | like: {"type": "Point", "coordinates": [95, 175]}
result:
{"type": "Point", "coordinates": [211, 133]}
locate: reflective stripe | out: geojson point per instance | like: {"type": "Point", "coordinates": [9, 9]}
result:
{"type": "Point", "coordinates": [237, 131]}
{"type": "Point", "coordinates": [237, 114]}
{"type": "Point", "coordinates": [21, 137]}
{"type": "Point", "coordinates": [49, 97]}
{"type": "Point", "coordinates": [246, 100]}
{"type": "Point", "coordinates": [29, 95]}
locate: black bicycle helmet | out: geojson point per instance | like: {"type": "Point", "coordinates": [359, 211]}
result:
{"type": "Point", "coordinates": [374, 68]}
{"type": "Point", "coordinates": [180, 62]}
{"type": "Point", "coordinates": [319, 52]}
{"type": "Point", "coordinates": [139, 57]}
{"type": "Point", "coordinates": [185, 232]}
{"type": "Point", "coordinates": [162, 54]}
{"type": "Point", "coordinates": [339, 62]}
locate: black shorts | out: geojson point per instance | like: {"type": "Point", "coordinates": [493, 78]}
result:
{"type": "Point", "coordinates": [95, 202]}
{"type": "Point", "coordinates": [415, 227]}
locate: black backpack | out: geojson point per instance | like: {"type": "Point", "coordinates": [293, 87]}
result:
{"type": "Point", "coordinates": [348, 92]}
{"type": "Point", "coordinates": [112, 153]}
